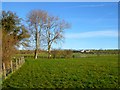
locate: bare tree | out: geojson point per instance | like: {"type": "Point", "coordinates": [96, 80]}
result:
{"type": "Point", "coordinates": [54, 31]}
{"type": "Point", "coordinates": [36, 21]}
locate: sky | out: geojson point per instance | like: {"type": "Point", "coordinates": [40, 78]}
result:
{"type": "Point", "coordinates": [60, 0]}
{"type": "Point", "coordinates": [94, 25]}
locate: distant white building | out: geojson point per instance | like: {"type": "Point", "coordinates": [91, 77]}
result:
{"type": "Point", "coordinates": [85, 51]}
{"type": "Point", "coordinates": [82, 51]}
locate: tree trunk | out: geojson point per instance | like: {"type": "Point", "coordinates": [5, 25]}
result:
{"type": "Point", "coordinates": [37, 44]}
{"type": "Point", "coordinates": [49, 52]}
{"type": "Point", "coordinates": [36, 54]}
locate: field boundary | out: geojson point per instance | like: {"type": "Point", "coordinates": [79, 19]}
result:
{"type": "Point", "coordinates": [15, 64]}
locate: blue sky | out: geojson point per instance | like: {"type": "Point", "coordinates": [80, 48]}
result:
{"type": "Point", "coordinates": [94, 25]}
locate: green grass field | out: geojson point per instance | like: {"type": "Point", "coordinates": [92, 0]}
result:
{"type": "Point", "coordinates": [87, 72]}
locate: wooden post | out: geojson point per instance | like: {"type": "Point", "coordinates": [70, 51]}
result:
{"type": "Point", "coordinates": [23, 59]}
{"type": "Point", "coordinates": [11, 66]}
{"type": "Point", "coordinates": [19, 61]}
{"type": "Point", "coordinates": [16, 64]}
{"type": "Point", "coordinates": [4, 71]}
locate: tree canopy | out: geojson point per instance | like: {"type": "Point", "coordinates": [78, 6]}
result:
{"type": "Point", "coordinates": [46, 28]}
{"type": "Point", "coordinates": [14, 34]}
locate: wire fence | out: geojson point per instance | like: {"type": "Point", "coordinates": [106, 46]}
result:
{"type": "Point", "coordinates": [15, 64]}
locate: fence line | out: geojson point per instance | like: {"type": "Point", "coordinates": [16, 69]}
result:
{"type": "Point", "coordinates": [14, 65]}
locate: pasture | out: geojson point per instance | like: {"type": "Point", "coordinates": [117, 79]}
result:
{"type": "Point", "coordinates": [86, 72]}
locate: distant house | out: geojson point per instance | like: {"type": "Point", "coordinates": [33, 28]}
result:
{"type": "Point", "coordinates": [87, 51]}
{"type": "Point", "coordinates": [83, 51]}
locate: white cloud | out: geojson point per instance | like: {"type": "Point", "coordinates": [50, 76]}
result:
{"type": "Point", "coordinates": [91, 34]}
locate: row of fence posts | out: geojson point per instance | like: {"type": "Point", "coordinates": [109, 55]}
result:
{"type": "Point", "coordinates": [18, 63]}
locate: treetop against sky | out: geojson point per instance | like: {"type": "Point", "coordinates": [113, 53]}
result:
{"type": "Point", "coordinates": [93, 24]}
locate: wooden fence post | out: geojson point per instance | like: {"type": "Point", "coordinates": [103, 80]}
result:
{"type": "Point", "coordinates": [19, 62]}
{"type": "Point", "coordinates": [16, 64]}
{"type": "Point", "coordinates": [4, 71]}
{"type": "Point", "coordinates": [11, 65]}
{"type": "Point", "coordinates": [23, 59]}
